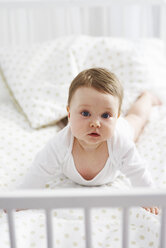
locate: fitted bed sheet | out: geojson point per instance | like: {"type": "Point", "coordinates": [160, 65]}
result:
{"type": "Point", "coordinates": [18, 145]}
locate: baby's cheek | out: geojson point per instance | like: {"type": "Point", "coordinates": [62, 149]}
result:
{"type": "Point", "coordinates": [75, 128]}
{"type": "Point", "coordinates": [110, 131]}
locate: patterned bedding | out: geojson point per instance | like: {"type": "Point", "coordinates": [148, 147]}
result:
{"type": "Point", "coordinates": [19, 143]}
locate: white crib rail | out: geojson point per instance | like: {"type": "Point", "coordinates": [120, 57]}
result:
{"type": "Point", "coordinates": [69, 3]}
{"type": "Point", "coordinates": [86, 198]}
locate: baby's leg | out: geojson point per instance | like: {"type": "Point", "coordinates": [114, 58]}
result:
{"type": "Point", "coordinates": [138, 114]}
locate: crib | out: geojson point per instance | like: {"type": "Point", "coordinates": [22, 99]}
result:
{"type": "Point", "coordinates": [82, 199]}
{"type": "Point", "coordinates": [71, 215]}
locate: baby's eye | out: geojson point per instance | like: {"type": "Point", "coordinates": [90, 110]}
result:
{"type": "Point", "coordinates": [85, 113]}
{"type": "Point", "coordinates": [106, 115]}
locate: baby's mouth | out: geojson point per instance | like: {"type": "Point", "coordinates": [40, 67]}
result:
{"type": "Point", "coordinates": [94, 134]}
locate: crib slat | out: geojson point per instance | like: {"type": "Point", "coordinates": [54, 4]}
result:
{"type": "Point", "coordinates": [162, 21]}
{"type": "Point", "coordinates": [88, 233]}
{"type": "Point", "coordinates": [49, 227]}
{"type": "Point", "coordinates": [125, 228]}
{"type": "Point", "coordinates": [12, 235]}
{"type": "Point", "coordinates": [163, 229]}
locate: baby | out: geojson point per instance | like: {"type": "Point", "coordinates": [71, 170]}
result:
{"type": "Point", "coordinates": [97, 144]}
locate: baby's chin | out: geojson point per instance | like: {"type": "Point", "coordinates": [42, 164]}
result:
{"type": "Point", "coordinates": [88, 142]}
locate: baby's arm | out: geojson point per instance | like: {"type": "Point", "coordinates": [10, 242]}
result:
{"type": "Point", "coordinates": [44, 168]}
{"type": "Point", "coordinates": [135, 169]}
{"type": "Point", "coordinates": [47, 163]}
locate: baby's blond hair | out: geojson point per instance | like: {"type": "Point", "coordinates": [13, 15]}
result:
{"type": "Point", "coordinates": [100, 79]}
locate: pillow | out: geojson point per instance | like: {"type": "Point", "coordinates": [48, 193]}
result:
{"type": "Point", "coordinates": [139, 64]}
{"type": "Point", "coordinates": [39, 76]}
{"type": "Point", "coordinates": [4, 94]}
{"type": "Point", "coordinates": [155, 59]}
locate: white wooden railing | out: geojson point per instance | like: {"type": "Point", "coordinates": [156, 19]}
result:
{"type": "Point", "coordinates": [69, 3]}
{"type": "Point", "coordinates": [85, 198]}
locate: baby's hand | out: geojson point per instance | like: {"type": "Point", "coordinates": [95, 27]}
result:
{"type": "Point", "coordinates": [17, 210]}
{"type": "Point", "coordinates": [153, 210]}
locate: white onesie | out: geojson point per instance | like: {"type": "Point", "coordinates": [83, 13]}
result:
{"type": "Point", "coordinates": [56, 159]}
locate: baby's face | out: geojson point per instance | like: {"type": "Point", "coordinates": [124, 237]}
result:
{"type": "Point", "coordinates": [92, 115]}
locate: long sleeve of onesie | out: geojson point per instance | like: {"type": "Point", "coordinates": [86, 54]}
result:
{"type": "Point", "coordinates": [135, 168]}
{"type": "Point", "coordinates": [45, 167]}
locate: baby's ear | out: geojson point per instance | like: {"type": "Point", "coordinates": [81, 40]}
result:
{"type": "Point", "coordinates": [68, 111]}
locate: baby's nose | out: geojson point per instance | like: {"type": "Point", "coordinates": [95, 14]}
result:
{"type": "Point", "coordinates": [95, 124]}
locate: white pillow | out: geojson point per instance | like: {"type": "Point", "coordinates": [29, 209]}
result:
{"type": "Point", "coordinates": [4, 92]}
{"type": "Point", "coordinates": [39, 77]}
{"type": "Point", "coordinates": [139, 64]}
{"type": "Point", "coordinates": [155, 59]}
{"type": "Point", "coordinates": [118, 55]}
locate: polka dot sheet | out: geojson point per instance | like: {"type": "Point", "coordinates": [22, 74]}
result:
{"type": "Point", "coordinates": [19, 143]}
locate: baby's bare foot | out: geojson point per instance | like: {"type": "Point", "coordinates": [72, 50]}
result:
{"type": "Point", "coordinates": [154, 99]}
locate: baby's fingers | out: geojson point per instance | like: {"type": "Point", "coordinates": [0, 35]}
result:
{"type": "Point", "coordinates": [147, 209]}
{"type": "Point", "coordinates": [153, 210]}
{"type": "Point", "coordinates": [17, 210]}
{"type": "Point", "coordinates": [157, 210]}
